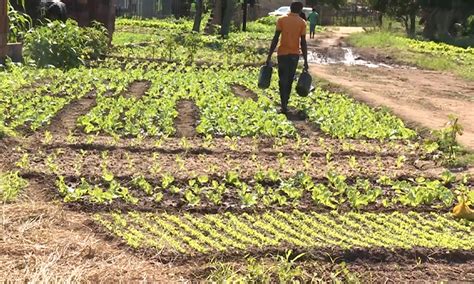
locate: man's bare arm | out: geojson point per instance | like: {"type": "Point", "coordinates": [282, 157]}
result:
{"type": "Point", "coordinates": [273, 46]}
{"type": "Point", "coordinates": [304, 49]}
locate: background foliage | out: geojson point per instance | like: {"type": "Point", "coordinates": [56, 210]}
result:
{"type": "Point", "coordinates": [66, 44]}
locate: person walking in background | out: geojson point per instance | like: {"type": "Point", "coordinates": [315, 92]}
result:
{"type": "Point", "coordinates": [313, 21]}
{"type": "Point", "coordinates": [292, 29]}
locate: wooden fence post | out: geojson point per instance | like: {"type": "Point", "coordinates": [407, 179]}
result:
{"type": "Point", "coordinates": [3, 30]}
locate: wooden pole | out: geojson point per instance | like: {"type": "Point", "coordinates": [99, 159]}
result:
{"type": "Point", "coordinates": [3, 30]}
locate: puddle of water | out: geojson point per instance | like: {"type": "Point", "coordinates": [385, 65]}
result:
{"type": "Point", "coordinates": [348, 59]}
{"type": "Point", "coordinates": [351, 59]}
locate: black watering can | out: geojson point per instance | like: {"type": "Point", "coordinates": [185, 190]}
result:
{"type": "Point", "coordinates": [305, 84]}
{"type": "Point", "coordinates": [265, 77]}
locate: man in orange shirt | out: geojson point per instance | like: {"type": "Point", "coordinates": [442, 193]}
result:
{"type": "Point", "coordinates": [292, 29]}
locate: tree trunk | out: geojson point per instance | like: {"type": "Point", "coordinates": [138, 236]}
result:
{"type": "Point", "coordinates": [167, 7]}
{"type": "Point", "coordinates": [244, 20]}
{"type": "Point", "coordinates": [3, 30]}
{"type": "Point", "coordinates": [228, 12]}
{"type": "Point", "coordinates": [217, 12]}
{"type": "Point", "coordinates": [412, 31]}
{"type": "Point", "coordinates": [429, 31]}
{"type": "Point", "coordinates": [405, 23]}
{"type": "Point", "coordinates": [444, 21]}
{"type": "Point", "coordinates": [380, 19]}
{"type": "Point", "coordinates": [198, 16]}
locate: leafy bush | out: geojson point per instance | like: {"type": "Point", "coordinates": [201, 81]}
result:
{"type": "Point", "coordinates": [268, 20]}
{"type": "Point", "coordinates": [19, 24]}
{"type": "Point", "coordinates": [65, 45]}
{"type": "Point", "coordinates": [96, 40]}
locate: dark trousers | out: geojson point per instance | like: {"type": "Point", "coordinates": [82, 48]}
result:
{"type": "Point", "coordinates": [312, 30]}
{"type": "Point", "coordinates": [287, 65]}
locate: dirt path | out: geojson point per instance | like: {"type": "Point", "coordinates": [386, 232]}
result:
{"type": "Point", "coordinates": [66, 119]}
{"type": "Point", "coordinates": [421, 96]}
{"type": "Point", "coordinates": [243, 92]}
{"type": "Point", "coordinates": [137, 89]}
{"type": "Point", "coordinates": [187, 120]}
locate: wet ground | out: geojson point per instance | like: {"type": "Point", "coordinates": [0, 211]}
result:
{"type": "Point", "coordinates": [346, 56]}
{"type": "Point", "coordinates": [424, 98]}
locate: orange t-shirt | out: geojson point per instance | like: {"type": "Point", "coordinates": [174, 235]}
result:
{"type": "Point", "coordinates": [292, 27]}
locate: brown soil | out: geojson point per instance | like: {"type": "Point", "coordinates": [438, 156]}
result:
{"type": "Point", "coordinates": [415, 273]}
{"type": "Point", "coordinates": [66, 119]}
{"type": "Point", "coordinates": [421, 96]}
{"type": "Point", "coordinates": [6, 153]}
{"type": "Point", "coordinates": [137, 89]}
{"type": "Point", "coordinates": [125, 160]}
{"type": "Point", "coordinates": [187, 120]}
{"type": "Point", "coordinates": [244, 93]}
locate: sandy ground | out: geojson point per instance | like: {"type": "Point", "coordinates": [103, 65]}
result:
{"type": "Point", "coordinates": [424, 97]}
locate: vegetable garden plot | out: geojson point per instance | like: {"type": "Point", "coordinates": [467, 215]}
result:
{"type": "Point", "coordinates": [265, 192]}
{"type": "Point", "coordinates": [188, 158]}
{"type": "Point", "coordinates": [247, 181]}
{"type": "Point", "coordinates": [221, 113]}
{"type": "Point", "coordinates": [34, 108]}
{"type": "Point", "coordinates": [155, 39]}
{"type": "Point", "coordinates": [457, 54]}
{"type": "Point", "coordinates": [227, 234]}
{"type": "Point", "coordinates": [182, 54]}
{"type": "Point", "coordinates": [238, 174]}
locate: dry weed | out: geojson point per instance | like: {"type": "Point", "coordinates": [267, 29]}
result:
{"type": "Point", "coordinates": [43, 242]}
